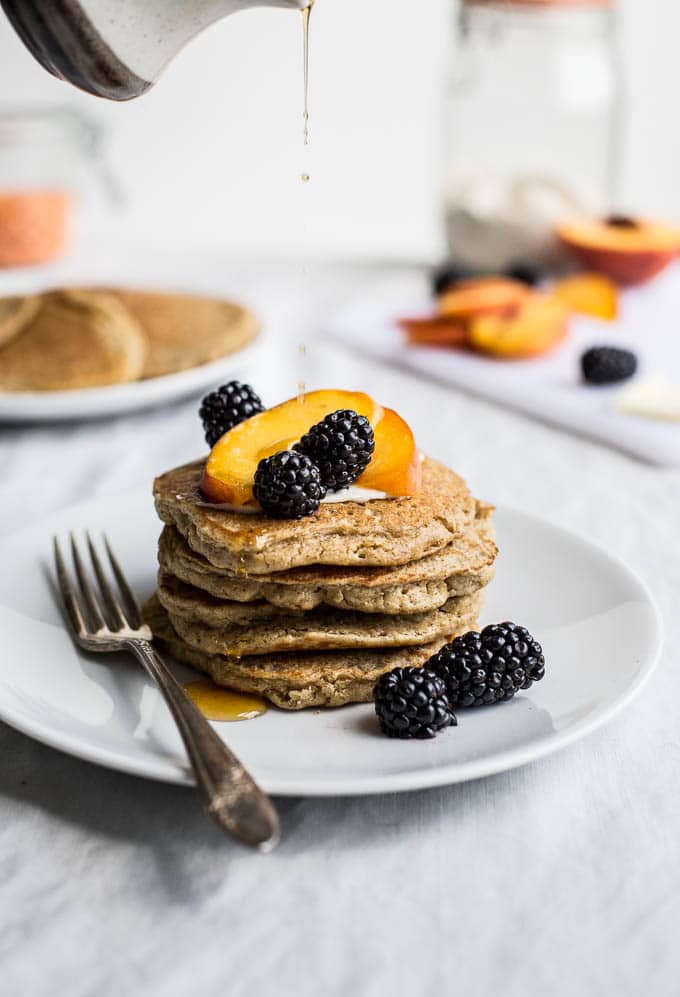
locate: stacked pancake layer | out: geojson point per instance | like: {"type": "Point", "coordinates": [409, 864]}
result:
{"type": "Point", "coordinates": [312, 612]}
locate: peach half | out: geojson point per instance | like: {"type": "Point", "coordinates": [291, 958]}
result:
{"type": "Point", "coordinates": [630, 251]}
{"type": "Point", "coordinates": [539, 326]}
{"type": "Point", "coordinates": [397, 465]}
{"type": "Point", "coordinates": [436, 330]}
{"type": "Point", "coordinates": [482, 296]}
{"type": "Point", "coordinates": [588, 294]}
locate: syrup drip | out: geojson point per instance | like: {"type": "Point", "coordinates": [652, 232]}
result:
{"type": "Point", "coordinates": [216, 703]}
{"type": "Point", "coordinates": [302, 353]}
{"type": "Point", "coordinates": [304, 176]}
{"type": "Point", "coordinates": [306, 14]}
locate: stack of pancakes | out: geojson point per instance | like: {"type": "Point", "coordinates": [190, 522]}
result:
{"type": "Point", "coordinates": [312, 612]}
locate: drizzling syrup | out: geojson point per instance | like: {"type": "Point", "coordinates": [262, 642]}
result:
{"type": "Point", "coordinates": [304, 176]}
{"type": "Point", "coordinates": [306, 14]}
{"type": "Point", "coordinates": [302, 353]}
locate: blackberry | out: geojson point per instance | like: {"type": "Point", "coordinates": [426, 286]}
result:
{"type": "Point", "coordinates": [288, 485]}
{"type": "Point", "coordinates": [449, 274]}
{"type": "Point", "coordinates": [225, 408]}
{"type": "Point", "coordinates": [411, 702]}
{"type": "Point", "coordinates": [620, 221]}
{"type": "Point", "coordinates": [608, 365]}
{"type": "Point", "coordinates": [341, 446]}
{"type": "Point", "coordinates": [525, 273]}
{"type": "Point", "coordinates": [488, 667]}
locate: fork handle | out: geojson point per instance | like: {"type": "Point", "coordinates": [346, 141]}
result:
{"type": "Point", "coordinates": [233, 798]}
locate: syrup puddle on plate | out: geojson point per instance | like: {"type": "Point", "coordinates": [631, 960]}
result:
{"type": "Point", "coordinates": [216, 703]}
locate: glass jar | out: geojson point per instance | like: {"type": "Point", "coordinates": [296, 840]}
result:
{"type": "Point", "coordinates": [45, 158]}
{"type": "Point", "coordinates": [533, 128]}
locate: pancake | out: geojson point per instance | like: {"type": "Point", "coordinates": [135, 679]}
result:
{"type": "Point", "coordinates": [461, 568]}
{"type": "Point", "coordinates": [15, 313]}
{"type": "Point", "coordinates": [385, 532]}
{"type": "Point", "coordinates": [195, 604]}
{"type": "Point", "coordinates": [206, 623]}
{"type": "Point", "coordinates": [186, 330]}
{"type": "Point", "coordinates": [292, 681]}
{"type": "Point", "coordinates": [74, 340]}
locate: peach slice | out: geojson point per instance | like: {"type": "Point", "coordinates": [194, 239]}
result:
{"type": "Point", "coordinates": [629, 250]}
{"type": "Point", "coordinates": [481, 296]}
{"type": "Point", "coordinates": [231, 466]}
{"type": "Point", "coordinates": [434, 331]}
{"type": "Point", "coordinates": [538, 327]}
{"type": "Point", "coordinates": [396, 467]}
{"type": "Point", "coordinates": [588, 294]}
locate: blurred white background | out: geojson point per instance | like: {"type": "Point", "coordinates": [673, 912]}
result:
{"type": "Point", "coordinates": [213, 155]}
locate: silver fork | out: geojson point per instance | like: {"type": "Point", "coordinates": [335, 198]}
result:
{"type": "Point", "coordinates": [110, 620]}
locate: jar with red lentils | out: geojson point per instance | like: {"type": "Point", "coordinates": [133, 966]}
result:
{"type": "Point", "coordinates": [44, 156]}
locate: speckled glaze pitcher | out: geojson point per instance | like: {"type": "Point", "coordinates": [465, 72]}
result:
{"type": "Point", "coordinates": [117, 48]}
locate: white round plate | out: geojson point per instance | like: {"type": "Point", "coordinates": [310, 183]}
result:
{"type": "Point", "coordinates": [128, 264]}
{"type": "Point", "coordinates": [598, 624]}
{"type": "Point", "coordinates": [117, 399]}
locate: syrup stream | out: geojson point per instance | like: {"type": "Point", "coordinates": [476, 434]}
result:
{"type": "Point", "coordinates": [305, 178]}
{"type": "Point", "coordinates": [306, 14]}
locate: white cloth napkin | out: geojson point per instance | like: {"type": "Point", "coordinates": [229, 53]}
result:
{"type": "Point", "coordinates": [548, 387]}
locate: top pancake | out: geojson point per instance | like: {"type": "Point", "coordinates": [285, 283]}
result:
{"type": "Point", "coordinates": [186, 330]}
{"type": "Point", "coordinates": [384, 532]}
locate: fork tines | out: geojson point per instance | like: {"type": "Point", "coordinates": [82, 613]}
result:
{"type": "Point", "coordinates": [100, 608]}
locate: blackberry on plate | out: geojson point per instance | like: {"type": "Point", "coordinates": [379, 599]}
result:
{"type": "Point", "coordinates": [411, 702]}
{"type": "Point", "coordinates": [479, 669]}
{"type": "Point", "coordinates": [288, 485]}
{"type": "Point", "coordinates": [525, 273]}
{"type": "Point", "coordinates": [608, 365]}
{"type": "Point", "coordinates": [226, 407]}
{"type": "Point", "coordinates": [448, 275]}
{"type": "Point", "coordinates": [341, 446]}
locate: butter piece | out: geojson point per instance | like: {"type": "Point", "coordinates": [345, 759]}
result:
{"type": "Point", "coordinates": [651, 397]}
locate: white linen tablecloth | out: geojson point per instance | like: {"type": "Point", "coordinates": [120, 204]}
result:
{"type": "Point", "coordinates": [561, 878]}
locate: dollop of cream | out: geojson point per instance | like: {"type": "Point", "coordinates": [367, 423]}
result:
{"type": "Point", "coordinates": [352, 494]}
{"type": "Point", "coordinates": [355, 494]}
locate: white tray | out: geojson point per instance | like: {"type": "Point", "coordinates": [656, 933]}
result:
{"type": "Point", "coordinates": [548, 387]}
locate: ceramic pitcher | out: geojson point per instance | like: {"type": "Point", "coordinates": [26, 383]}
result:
{"type": "Point", "coordinates": [117, 48]}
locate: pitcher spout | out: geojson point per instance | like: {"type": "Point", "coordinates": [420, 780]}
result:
{"type": "Point", "coordinates": [117, 48]}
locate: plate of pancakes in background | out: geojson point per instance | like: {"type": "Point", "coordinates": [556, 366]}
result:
{"type": "Point", "coordinates": [92, 351]}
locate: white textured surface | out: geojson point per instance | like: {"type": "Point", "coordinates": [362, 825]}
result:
{"type": "Point", "coordinates": [560, 878]}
